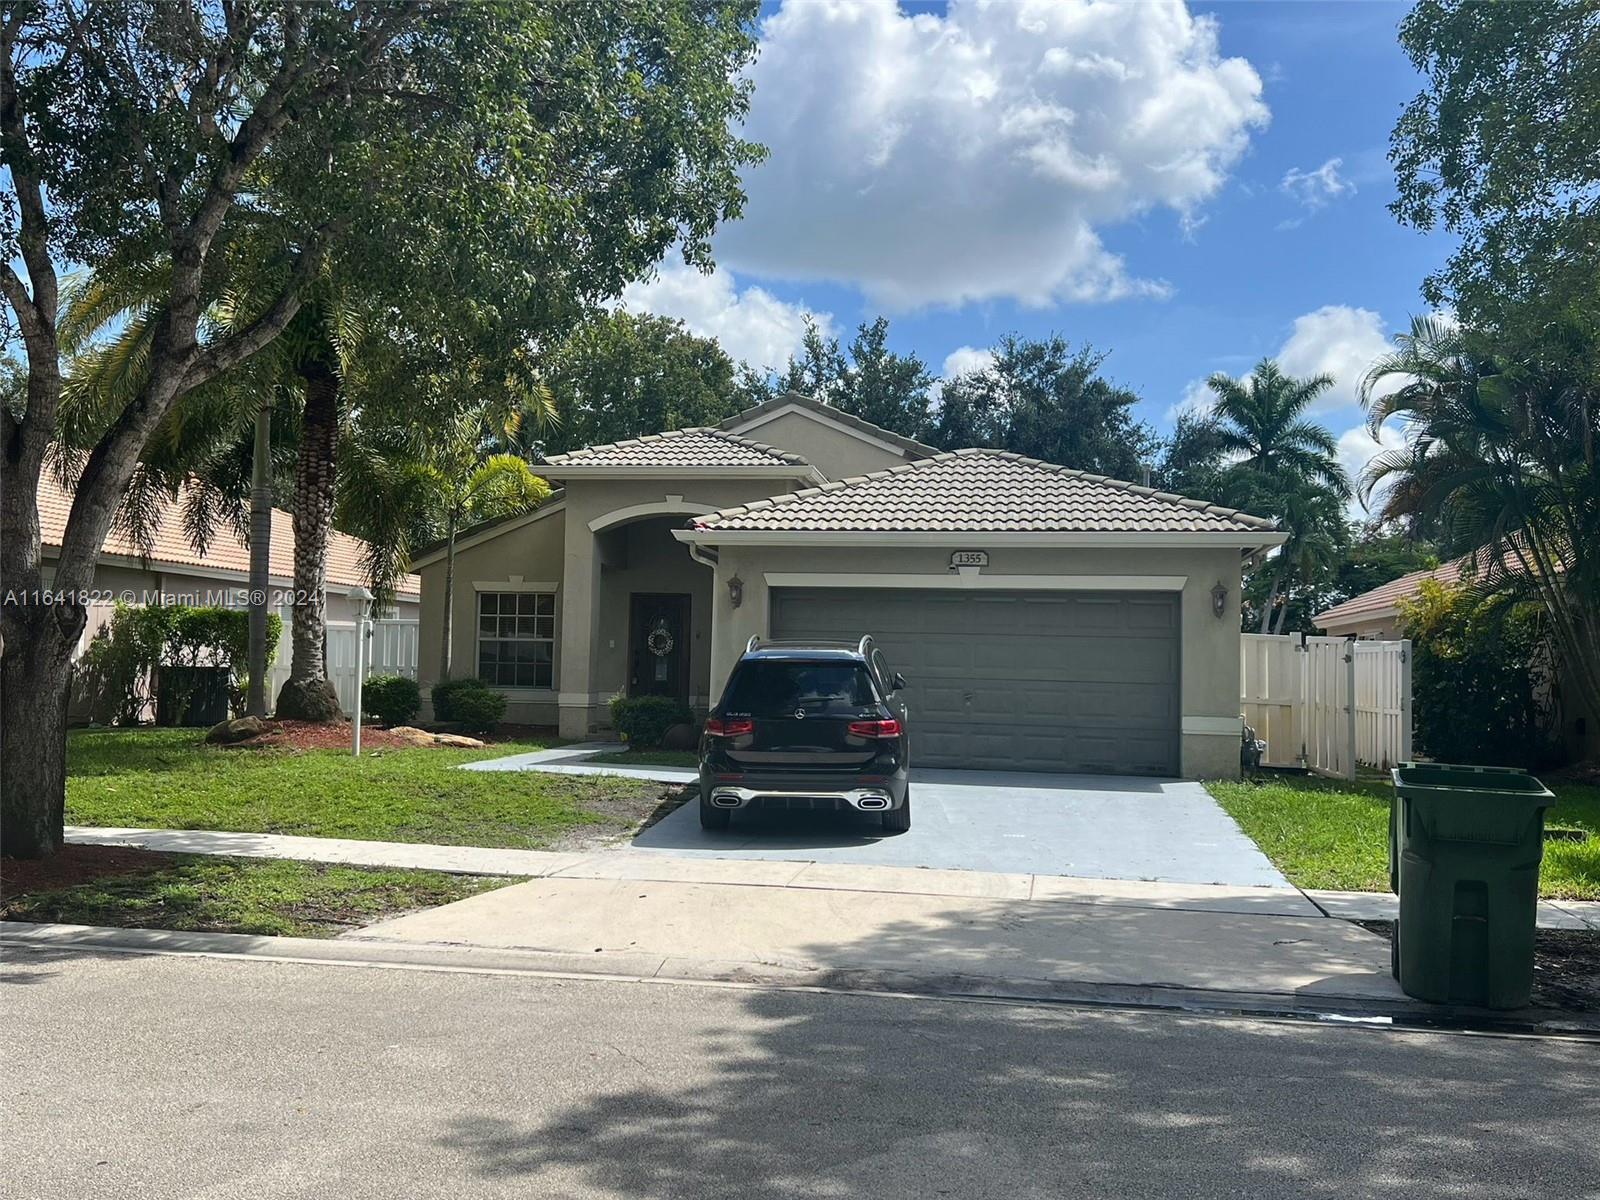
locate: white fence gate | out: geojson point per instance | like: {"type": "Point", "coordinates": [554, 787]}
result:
{"type": "Point", "coordinates": [392, 651]}
{"type": "Point", "coordinates": [1327, 703]}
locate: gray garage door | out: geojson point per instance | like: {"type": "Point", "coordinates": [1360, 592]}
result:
{"type": "Point", "coordinates": [1046, 681]}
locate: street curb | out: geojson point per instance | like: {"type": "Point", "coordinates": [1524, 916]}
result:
{"type": "Point", "coordinates": [623, 966]}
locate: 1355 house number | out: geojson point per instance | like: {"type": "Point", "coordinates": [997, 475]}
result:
{"type": "Point", "coordinates": [969, 558]}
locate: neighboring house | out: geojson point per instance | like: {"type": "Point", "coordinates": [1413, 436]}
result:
{"type": "Point", "coordinates": [1047, 619]}
{"type": "Point", "coordinates": [1376, 615]}
{"type": "Point", "coordinates": [173, 573]}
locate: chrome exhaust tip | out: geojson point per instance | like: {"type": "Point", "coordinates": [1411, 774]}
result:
{"type": "Point", "coordinates": [872, 803]}
{"type": "Point", "coordinates": [725, 799]}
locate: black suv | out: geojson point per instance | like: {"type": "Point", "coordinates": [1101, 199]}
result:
{"type": "Point", "coordinates": [808, 725]}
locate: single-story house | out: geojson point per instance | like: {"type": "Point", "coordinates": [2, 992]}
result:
{"type": "Point", "coordinates": [174, 573]}
{"type": "Point", "coordinates": [1046, 618]}
{"type": "Point", "coordinates": [1376, 615]}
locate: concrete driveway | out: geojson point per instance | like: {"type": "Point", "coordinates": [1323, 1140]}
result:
{"type": "Point", "coordinates": [1099, 826]}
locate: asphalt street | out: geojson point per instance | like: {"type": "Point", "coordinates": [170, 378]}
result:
{"type": "Point", "coordinates": [129, 1076]}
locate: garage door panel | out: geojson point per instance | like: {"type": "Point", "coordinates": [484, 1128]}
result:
{"type": "Point", "coordinates": [1080, 681]}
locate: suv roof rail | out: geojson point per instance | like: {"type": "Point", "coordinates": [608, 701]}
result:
{"type": "Point", "coordinates": [755, 640]}
{"type": "Point", "coordinates": [866, 645]}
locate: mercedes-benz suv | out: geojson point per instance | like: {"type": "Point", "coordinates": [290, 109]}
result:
{"type": "Point", "coordinates": [815, 725]}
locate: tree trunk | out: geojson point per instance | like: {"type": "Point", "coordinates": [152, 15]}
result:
{"type": "Point", "coordinates": [35, 678]}
{"type": "Point", "coordinates": [1283, 611]}
{"type": "Point", "coordinates": [1266, 609]}
{"type": "Point", "coordinates": [449, 597]}
{"type": "Point", "coordinates": [307, 695]}
{"type": "Point", "coordinates": [260, 561]}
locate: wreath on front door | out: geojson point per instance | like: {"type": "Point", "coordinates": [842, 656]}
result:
{"type": "Point", "coordinates": [659, 640]}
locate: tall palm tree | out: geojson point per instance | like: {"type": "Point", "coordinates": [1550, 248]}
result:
{"type": "Point", "coordinates": [1285, 466]}
{"type": "Point", "coordinates": [1263, 423]}
{"type": "Point", "coordinates": [1499, 457]}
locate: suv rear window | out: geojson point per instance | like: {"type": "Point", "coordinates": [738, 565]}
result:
{"type": "Point", "coordinates": [776, 688]}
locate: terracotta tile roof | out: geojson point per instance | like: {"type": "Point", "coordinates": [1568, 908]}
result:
{"type": "Point", "coordinates": [1384, 600]}
{"type": "Point", "coordinates": [690, 448]}
{"type": "Point", "coordinates": [225, 552]}
{"type": "Point", "coordinates": [981, 491]}
{"type": "Point", "coordinates": [910, 445]}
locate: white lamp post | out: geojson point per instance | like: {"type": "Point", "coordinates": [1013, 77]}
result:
{"type": "Point", "coordinates": [362, 599]}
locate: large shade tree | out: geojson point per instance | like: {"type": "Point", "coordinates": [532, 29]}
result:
{"type": "Point", "coordinates": [1501, 147]}
{"type": "Point", "coordinates": [623, 375]}
{"type": "Point", "coordinates": [547, 154]}
{"type": "Point", "coordinates": [1042, 398]}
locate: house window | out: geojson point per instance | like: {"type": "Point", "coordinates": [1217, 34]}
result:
{"type": "Point", "coordinates": [516, 638]}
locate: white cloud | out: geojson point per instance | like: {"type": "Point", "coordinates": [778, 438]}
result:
{"type": "Point", "coordinates": [1357, 448]}
{"type": "Point", "coordinates": [752, 325]}
{"type": "Point", "coordinates": [966, 359]}
{"type": "Point", "coordinates": [1197, 398]}
{"type": "Point", "coordinates": [936, 159]}
{"type": "Point", "coordinates": [1336, 340]}
{"type": "Point", "coordinates": [1316, 188]}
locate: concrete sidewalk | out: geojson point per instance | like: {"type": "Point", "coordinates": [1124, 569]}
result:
{"type": "Point", "coordinates": [734, 928]}
{"type": "Point", "coordinates": [785, 873]}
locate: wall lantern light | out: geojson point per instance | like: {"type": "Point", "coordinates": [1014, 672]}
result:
{"type": "Point", "coordinates": [735, 591]}
{"type": "Point", "coordinates": [1219, 600]}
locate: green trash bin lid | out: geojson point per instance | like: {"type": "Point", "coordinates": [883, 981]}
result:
{"type": "Point", "coordinates": [1472, 804]}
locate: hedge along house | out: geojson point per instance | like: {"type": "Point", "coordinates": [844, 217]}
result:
{"type": "Point", "coordinates": [1047, 619]}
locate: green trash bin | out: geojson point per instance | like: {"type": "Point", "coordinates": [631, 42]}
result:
{"type": "Point", "coordinates": [1464, 851]}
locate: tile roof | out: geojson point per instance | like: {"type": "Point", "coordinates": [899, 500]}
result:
{"type": "Point", "coordinates": [1383, 600]}
{"type": "Point", "coordinates": [696, 447]}
{"type": "Point", "coordinates": [909, 445]}
{"type": "Point", "coordinates": [225, 552]}
{"type": "Point", "coordinates": [983, 491]}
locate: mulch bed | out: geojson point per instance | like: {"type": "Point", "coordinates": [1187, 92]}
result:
{"type": "Point", "coordinates": [1566, 966]}
{"type": "Point", "coordinates": [335, 735]}
{"type": "Point", "coordinates": [310, 735]}
{"type": "Point", "coordinates": [74, 864]}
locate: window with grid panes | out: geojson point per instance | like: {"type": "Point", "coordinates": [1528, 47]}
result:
{"type": "Point", "coordinates": [516, 638]}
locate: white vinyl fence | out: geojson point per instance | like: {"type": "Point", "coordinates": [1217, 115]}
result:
{"type": "Point", "coordinates": [1327, 703]}
{"type": "Point", "coordinates": [392, 651]}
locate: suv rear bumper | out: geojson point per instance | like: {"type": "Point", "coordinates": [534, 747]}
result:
{"type": "Point", "coordinates": [875, 798]}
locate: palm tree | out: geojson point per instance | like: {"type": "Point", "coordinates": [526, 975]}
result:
{"type": "Point", "coordinates": [1263, 422]}
{"type": "Point", "coordinates": [1499, 460]}
{"type": "Point", "coordinates": [422, 489]}
{"type": "Point", "coordinates": [1285, 466]}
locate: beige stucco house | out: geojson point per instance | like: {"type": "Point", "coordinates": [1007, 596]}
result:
{"type": "Point", "coordinates": [1047, 619]}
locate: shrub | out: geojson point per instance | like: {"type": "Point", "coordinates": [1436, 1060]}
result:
{"type": "Point", "coordinates": [393, 699]}
{"type": "Point", "coordinates": [444, 694]}
{"type": "Point", "coordinates": [1480, 679]}
{"type": "Point", "coordinates": [113, 678]}
{"type": "Point", "coordinates": [478, 710]}
{"type": "Point", "coordinates": [644, 720]}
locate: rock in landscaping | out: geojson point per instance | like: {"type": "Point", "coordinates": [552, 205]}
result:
{"type": "Point", "coordinates": [240, 730]}
{"type": "Point", "coordinates": [410, 733]}
{"type": "Point", "coordinates": [421, 737]}
{"type": "Point", "coordinates": [685, 736]}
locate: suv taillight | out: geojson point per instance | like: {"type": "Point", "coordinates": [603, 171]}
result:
{"type": "Point", "coordinates": [876, 729]}
{"type": "Point", "coordinates": [729, 726]}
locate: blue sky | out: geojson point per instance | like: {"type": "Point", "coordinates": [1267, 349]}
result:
{"type": "Point", "coordinates": [1189, 188]}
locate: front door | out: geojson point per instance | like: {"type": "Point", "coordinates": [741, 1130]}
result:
{"type": "Point", "coordinates": [658, 645]}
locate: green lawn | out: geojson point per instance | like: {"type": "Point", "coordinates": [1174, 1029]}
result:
{"type": "Point", "coordinates": [1326, 833]}
{"type": "Point", "coordinates": [233, 895]}
{"type": "Point", "coordinates": [170, 779]}
{"type": "Point", "coordinates": [648, 758]}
